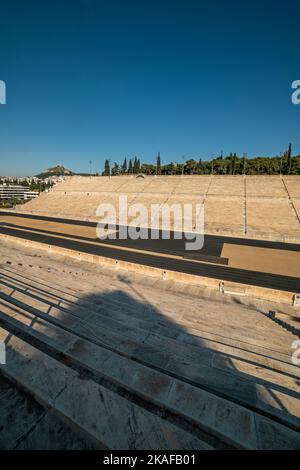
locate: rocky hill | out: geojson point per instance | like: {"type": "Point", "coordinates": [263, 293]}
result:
{"type": "Point", "coordinates": [58, 170]}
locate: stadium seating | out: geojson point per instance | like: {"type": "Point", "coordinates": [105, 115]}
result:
{"type": "Point", "coordinates": [266, 207]}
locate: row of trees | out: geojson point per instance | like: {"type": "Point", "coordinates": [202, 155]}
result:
{"type": "Point", "coordinates": [232, 164]}
{"type": "Point", "coordinates": [133, 167]}
{"type": "Point", "coordinates": [8, 203]}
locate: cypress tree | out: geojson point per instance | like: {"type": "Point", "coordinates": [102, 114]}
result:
{"type": "Point", "coordinates": [158, 164]}
{"type": "Point", "coordinates": [135, 166]}
{"type": "Point", "coordinates": [244, 163]}
{"type": "Point", "coordinates": [234, 158]}
{"type": "Point", "coordinates": [124, 167]}
{"type": "Point", "coordinates": [115, 170]}
{"type": "Point", "coordinates": [289, 158]}
{"type": "Point", "coordinates": [106, 168]}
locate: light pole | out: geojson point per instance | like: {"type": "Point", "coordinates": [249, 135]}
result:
{"type": "Point", "coordinates": [90, 168]}
{"type": "Point", "coordinates": [281, 154]}
{"type": "Point", "coordinates": [182, 168]}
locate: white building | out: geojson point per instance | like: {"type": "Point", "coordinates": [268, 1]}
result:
{"type": "Point", "coordinates": [8, 191]}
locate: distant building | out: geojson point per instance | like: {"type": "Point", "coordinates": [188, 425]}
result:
{"type": "Point", "coordinates": [54, 179]}
{"type": "Point", "coordinates": [19, 179]}
{"type": "Point", "coordinates": [9, 191]}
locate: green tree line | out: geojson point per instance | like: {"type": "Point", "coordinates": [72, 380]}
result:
{"type": "Point", "coordinates": [231, 164]}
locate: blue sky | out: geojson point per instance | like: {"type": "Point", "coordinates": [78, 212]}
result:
{"type": "Point", "coordinates": [91, 79]}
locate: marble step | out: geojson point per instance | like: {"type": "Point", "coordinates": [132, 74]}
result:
{"type": "Point", "coordinates": [129, 326]}
{"type": "Point", "coordinates": [106, 417]}
{"type": "Point", "coordinates": [257, 394]}
{"type": "Point", "coordinates": [220, 342]}
{"type": "Point", "coordinates": [253, 324]}
{"type": "Point", "coordinates": [34, 426]}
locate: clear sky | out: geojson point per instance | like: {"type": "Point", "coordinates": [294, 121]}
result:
{"type": "Point", "coordinates": [93, 79]}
